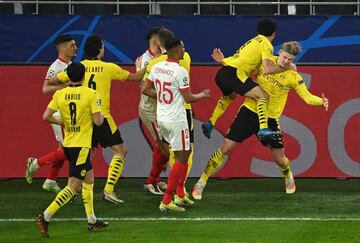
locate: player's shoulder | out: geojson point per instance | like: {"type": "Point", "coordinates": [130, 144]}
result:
{"type": "Point", "coordinates": [294, 76]}
{"type": "Point", "coordinates": [58, 65]}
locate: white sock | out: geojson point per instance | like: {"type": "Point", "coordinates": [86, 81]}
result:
{"type": "Point", "coordinates": [91, 218]}
{"type": "Point", "coordinates": [49, 181]}
{"type": "Point", "coordinates": [34, 166]}
{"type": "Point", "coordinates": [47, 216]}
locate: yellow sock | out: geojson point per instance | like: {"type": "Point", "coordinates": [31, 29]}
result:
{"type": "Point", "coordinates": [221, 106]}
{"type": "Point", "coordinates": [262, 107]}
{"type": "Point", "coordinates": [88, 199]}
{"type": "Point", "coordinates": [171, 158]}
{"type": "Point", "coordinates": [190, 160]}
{"type": "Point", "coordinates": [214, 163]}
{"type": "Point", "coordinates": [62, 198]}
{"type": "Point", "coordinates": [285, 168]}
{"type": "Point", "coordinates": [114, 172]}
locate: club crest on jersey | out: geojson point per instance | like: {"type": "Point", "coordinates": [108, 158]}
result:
{"type": "Point", "coordinates": [98, 102]}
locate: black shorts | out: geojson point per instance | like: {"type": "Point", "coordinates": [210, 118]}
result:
{"type": "Point", "coordinates": [228, 82]}
{"type": "Point", "coordinates": [246, 124]}
{"type": "Point", "coordinates": [102, 135]}
{"type": "Point", "coordinates": [190, 121]}
{"type": "Point", "coordinates": [79, 161]}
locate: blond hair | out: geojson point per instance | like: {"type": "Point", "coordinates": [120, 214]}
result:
{"type": "Point", "coordinates": [291, 47]}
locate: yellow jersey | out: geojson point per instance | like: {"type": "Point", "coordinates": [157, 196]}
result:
{"type": "Point", "coordinates": [277, 86]}
{"type": "Point", "coordinates": [98, 76]}
{"type": "Point", "coordinates": [76, 105]}
{"type": "Point", "coordinates": [185, 63]}
{"type": "Point", "coordinates": [249, 56]}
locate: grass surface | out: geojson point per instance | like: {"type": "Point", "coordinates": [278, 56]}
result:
{"type": "Point", "coordinates": [324, 205]}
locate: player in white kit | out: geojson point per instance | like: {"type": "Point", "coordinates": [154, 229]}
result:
{"type": "Point", "coordinates": [157, 37]}
{"type": "Point", "coordinates": [171, 83]}
{"type": "Point", "coordinates": [66, 47]}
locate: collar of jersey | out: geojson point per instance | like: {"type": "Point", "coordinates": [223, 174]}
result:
{"type": "Point", "coordinates": [75, 85]}
{"type": "Point", "coordinates": [171, 60]}
{"type": "Point", "coordinates": [64, 61]}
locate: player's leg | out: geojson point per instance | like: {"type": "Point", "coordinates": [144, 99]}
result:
{"type": "Point", "coordinates": [88, 199]}
{"type": "Point", "coordinates": [160, 157]}
{"type": "Point", "coordinates": [177, 134]}
{"type": "Point", "coordinates": [215, 161]}
{"type": "Point", "coordinates": [224, 81]}
{"type": "Point", "coordinates": [244, 125]}
{"type": "Point", "coordinates": [77, 170]}
{"type": "Point", "coordinates": [114, 172]}
{"type": "Point", "coordinates": [255, 92]}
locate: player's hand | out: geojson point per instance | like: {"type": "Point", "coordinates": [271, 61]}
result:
{"type": "Point", "coordinates": [326, 101]}
{"type": "Point", "coordinates": [217, 55]}
{"type": "Point", "coordinates": [138, 62]}
{"type": "Point", "coordinates": [205, 93]}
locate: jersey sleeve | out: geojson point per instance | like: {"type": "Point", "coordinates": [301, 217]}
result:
{"type": "Point", "coordinates": [118, 73]}
{"type": "Point", "coordinates": [304, 93]}
{"type": "Point", "coordinates": [50, 73]}
{"type": "Point", "coordinates": [53, 105]}
{"type": "Point", "coordinates": [95, 103]}
{"type": "Point", "coordinates": [186, 62]}
{"type": "Point", "coordinates": [63, 77]}
{"type": "Point", "coordinates": [267, 51]}
{"type": "Point", "coordinates": [183, 78]}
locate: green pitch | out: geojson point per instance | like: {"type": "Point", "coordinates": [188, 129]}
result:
{"type": "Point", "coordinates": [238, 210]}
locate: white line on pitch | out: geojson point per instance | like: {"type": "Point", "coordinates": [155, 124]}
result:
{"type": "Point", "coordinates": [189, 219]}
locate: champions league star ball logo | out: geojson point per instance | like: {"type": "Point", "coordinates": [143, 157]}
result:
{"type": "Point", "coordinates": [186, 81]}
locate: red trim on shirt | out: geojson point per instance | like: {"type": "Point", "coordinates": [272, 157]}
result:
{"type": "Point", "coordinates": [64, 61]}
{"type": "Point", "coordinates": [149, 80]}
{"type": "Point", "coordinates": [172, 60]}
{"type": "Point", "coordinates": [185, 89]}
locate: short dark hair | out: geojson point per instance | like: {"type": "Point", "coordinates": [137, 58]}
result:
{"type": "Point", "coordinates": [266, 26]}
{"type": "Point", "coordinates": [62, 39]}
{"type": "Point", "coordinates": [76, 71]}
{"type": "Point", "coordinates": [152, 32]}
{"type": "Point", "coordinates": [165, 36]}
{"type": "Point", "coordinates": [92, 46]}
{"type": "Point", "coordinates": [172, 44]}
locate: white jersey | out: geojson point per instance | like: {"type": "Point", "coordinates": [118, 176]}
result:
{"type": "Point", "coordinates": [147, 103]}
{"type": "Point", "coordinates": [57, 66]}
{"type": "Point", "coordinates": [169, 78]}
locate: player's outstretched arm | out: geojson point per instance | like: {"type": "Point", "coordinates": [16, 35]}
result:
{"type": "Point", "coordinates": [271, 68]}
{"type": "Point", "coordinates": [137, 76]}
{"type": "Point", "coordinates": [48, 116]}
{"type": "Point", "coordinates": [309, 98]}
{"type": "Point", "coordinates": [49, 87]}
{"type": "Point", "coordinates": [148, 89]}
{"type": "Point", "coordinates": [192, 98]}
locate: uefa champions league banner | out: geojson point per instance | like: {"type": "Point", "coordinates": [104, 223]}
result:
{"type": "Point", "coordinates": [319, 143]}
{"type": "Point", "coordinates": [324, 39]}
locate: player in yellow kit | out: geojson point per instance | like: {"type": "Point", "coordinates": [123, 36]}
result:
{"type": "Point", "coordinates": [234, 77]}
{"type": "Point", "coordinates": [98, 76]}
{"type": "Point", "coordinates": [79, 107]}
{"type": "Point", "coordinates": [246, 122]}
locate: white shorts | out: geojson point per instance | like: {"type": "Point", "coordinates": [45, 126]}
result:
{"type": "Point", "coordinates": [57, 129]}
{"type": "Point", "coordinates": [149, 119]}
{"type": "Point", "coordinates": [176, 134]}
